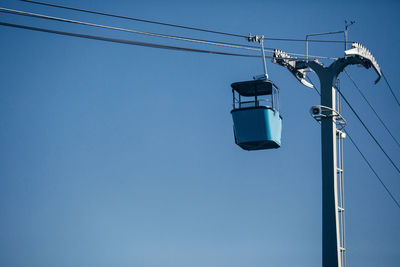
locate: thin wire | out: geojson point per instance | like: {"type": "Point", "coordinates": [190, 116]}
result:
{"type": "Point", "coordinates": [366, 100]}
{"type": "Point", "coordinates": [180, 38]}
{"type": "Point", "coordinates": [369, 132]}
{"type": "Point", "coordinates": [373, 170]}
{"type": "Point", "coordinates": [391, 90]}
{"type": "Point", "coordinates": [366, 160]}
{"type": "Point", "coordinates": [173, 25]}
{"type": "Point", "coordinates": [122, 41]}
{"type": "Point", "coordinates": [135, 19]}
{"type": "Point", "coordinates": [308, 78]}
{"type": "Point", "coordinates": [304, 40]}
{"type": "Point", "coordinates": [29, 14]}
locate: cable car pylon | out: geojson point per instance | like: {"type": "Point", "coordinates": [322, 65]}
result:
{"type": "Point", "coordinates": [332, 236]}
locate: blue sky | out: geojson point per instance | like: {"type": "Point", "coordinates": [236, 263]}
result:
{"type": "Point", "coordinates": [117, 155]}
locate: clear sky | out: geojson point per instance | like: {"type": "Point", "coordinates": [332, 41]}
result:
{"type": "Point", "coordinates": [118, 155]}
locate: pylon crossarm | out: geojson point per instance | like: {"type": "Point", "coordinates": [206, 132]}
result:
{"type": "Point", "coordinates": [299, 67]}
{"type": "Point", "coordinates": [339, 65]}
{"type": "Point", "coordinates": [365, 56]}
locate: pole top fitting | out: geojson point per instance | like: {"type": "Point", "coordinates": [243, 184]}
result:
{"type": "Point", "coordinates": [347, 24]}
{"type": "Point", "coordinates": [255, 38]}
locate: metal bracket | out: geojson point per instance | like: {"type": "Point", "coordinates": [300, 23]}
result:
{"type": "Point", "coordinates": [299, 71]}
{"type": "Point", "coordinates": [260, 39]}
{"type": "Point", "coordinates": [319, 112]}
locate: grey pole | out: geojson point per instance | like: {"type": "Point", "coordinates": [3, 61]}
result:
{"type": "Point", "coordinates": [330, 217]}
{"type": "Point", "coordinates": [331, 249]}
{"type": "Point", "coordinates": [330, 229]}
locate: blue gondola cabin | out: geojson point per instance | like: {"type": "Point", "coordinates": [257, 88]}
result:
{"type": "Point", "coordinates": [257, 123]}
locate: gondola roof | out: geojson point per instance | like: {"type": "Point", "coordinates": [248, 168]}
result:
{"type": "Point", "coordinates": [254, 87]}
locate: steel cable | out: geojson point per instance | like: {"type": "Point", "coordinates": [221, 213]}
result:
{"type": "Point", "coordinates": [122, 41]}
{"type": "Point", "coordinates": [173, 25]}
{"type": "Point", "coordinates": [372, 108]}
{"type": "Point", "coordinates": [230, 45]}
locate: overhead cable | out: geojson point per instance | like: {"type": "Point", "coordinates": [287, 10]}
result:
{"type": "Point", "coordinates": [175, 25]}
{"type": "Point", "coordinates": [372, 108]}
{"type": "Point", "coordinates": [129, 42]}
{"type": "Point", "coordinates": [373, 170]}
{"type": "Point", "coordinates": [315, 88]}
{"type": "Point", "coordinates": [135, 19]}
{"type": "Point", "coordinates": [369, 132]}
{"type": "Point", "coordinates": [29, 14]}
{"type": "Point", "coordinates": [391, 90]}
{"type": "Point", "coordinates": [180, 38]}
{"type": "Point", "coordinates": [122, 41]}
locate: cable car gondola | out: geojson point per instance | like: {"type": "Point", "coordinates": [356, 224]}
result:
{"type": "Point", "coordinates": [257, 123]}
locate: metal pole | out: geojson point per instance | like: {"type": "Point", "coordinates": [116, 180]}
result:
{"type": "Point", "coordinates": [346, 29]}
{"type": "Point", "coordinates": [331, 256]}
{"type": "Point", "coordinates": [330, 226]}
{"type": "Point", "coordinates": [307, 47]}
{"type": "Point", "coordinates": [263, 56]}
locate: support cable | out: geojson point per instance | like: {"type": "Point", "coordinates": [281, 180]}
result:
{"type": "Point", "coordinates": [391, 90]}
{"type": "Point", "coordinates": [180, 38]}
{"type": "Point", "coordinates": [315, 88]}
{"type": "Point", "coordinates": [122, 41]}
{"type": "Point", "coordinates": [366, 100]}
{"type": "Point", "coordinates": [369, 132]}
{"type": "Point", "coordinates": [376, 174]}
{"type": "Point", "coordinates": [129, 42]}
{"type": "Point", "coordinates": [29, 14]}
{"type": "Point", "coordinates": [172, 25]}
{"type": "Point", "coordinates": [134, 19]}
